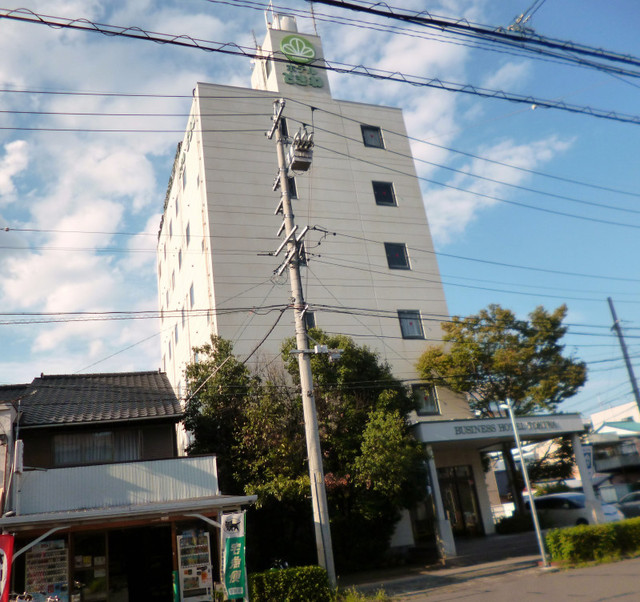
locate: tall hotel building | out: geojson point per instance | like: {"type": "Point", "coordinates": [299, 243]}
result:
{"type": "Point", "coordinates": [371, 271]}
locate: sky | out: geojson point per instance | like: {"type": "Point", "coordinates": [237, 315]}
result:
{"type": "Point", "coordinates": [89, 126]}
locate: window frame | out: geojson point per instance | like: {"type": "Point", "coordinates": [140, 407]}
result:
{"type": "Point", "coordinates": [397, 256]}
{"type": "Point", "coordinates": [379, 194]}
{"type": "Point", "coordinates": [410, 314]}
{"type": "Point", "coordinates": [428, 393]}
{"type": "Point", "coordinates": [367, 132]}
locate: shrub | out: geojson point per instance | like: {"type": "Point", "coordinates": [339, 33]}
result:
{"type": "Point", "coordinates": [594, 542]}
{"type": "Point", "coordinates": [296, 584]}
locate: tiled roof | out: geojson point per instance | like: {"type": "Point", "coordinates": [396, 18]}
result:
{"type": "Point", "coordinates": [83, 398]}
{"type": "Point", "coordinates": [10, 393]}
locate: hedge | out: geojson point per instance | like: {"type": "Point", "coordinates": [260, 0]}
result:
{"type": "Point", "coordinates": [594, 542]}
{"type": "Point", "coordinates": [296, 584]}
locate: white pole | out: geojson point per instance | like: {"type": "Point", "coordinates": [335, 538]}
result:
{"type": "Point", "coordinates": [536, 523]}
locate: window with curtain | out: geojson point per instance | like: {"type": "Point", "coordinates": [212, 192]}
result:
{"type": "Point", "coordinates": [77, 449]}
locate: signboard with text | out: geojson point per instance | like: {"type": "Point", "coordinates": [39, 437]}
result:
{"type": "Point", "coordinates": [233, 555]}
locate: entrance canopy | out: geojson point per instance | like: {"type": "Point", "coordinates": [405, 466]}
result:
{"type": "Point", "coordinates": [488, 434]}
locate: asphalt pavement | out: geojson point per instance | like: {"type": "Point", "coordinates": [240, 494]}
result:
{"type": "Point", "coordinates": [502, 567]}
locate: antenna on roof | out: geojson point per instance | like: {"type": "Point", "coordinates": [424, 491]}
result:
{"type": "Point", "coordinates": [313, 18]}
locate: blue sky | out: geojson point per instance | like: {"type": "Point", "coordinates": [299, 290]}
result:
{"type": "Point", "coordinates": [83, 207]}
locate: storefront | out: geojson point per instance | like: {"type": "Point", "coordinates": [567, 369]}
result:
{"type": "Point", "coordinates": [169, 554]}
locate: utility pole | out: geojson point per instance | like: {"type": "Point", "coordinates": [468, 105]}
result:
{"type": "Point", "coordinates": [625, 353]}
{"type": "Point", "coordinates": [300, 159]}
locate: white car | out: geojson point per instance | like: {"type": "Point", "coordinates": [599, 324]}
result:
{"type": "Point", "coordinates": [568, 509]}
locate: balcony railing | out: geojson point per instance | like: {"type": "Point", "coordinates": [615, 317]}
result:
{"type": "Point", "coordinates": [616, 462]}
{"type": "Point", "coordinates": [112, 485]}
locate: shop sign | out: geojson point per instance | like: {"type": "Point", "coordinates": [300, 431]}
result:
{"type": "Point", "coordinates": [233, 550]}
{"type": "Point", "coordinates": [523, 426]}
{"type": "Point", "coordinates": [6, 558]}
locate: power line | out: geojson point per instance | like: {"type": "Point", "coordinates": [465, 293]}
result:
{"type": "Point", "coordinates": [520, 38]}
{"type": "Point", "coordinates": [231, 48]}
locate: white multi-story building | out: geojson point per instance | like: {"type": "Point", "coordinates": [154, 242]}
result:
{"type": "Point", "coordinates": [371, 271]}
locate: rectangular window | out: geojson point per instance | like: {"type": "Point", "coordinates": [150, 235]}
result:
{"type": "Point", "coordinates": [169, 350]}
{"type": "Point", "coordinates": [384, 195]}
{"type": "Point", "coordinates": [177, 205]}
{"type": "Point", "coordinates": [291, 185]}
{"type": "Point", "coordinates": [192, 296]}
{"type": "Point", "coordinates": [170, 229]}
{"type": "Point", "coordinates": [187, 234]}
{"type": "Point", "coordinates": [182, 316]}
{"type": "Point", "coordinates": [372, 136]}
{"type": "Point", "coordinates": [96, 448]}
{"type": "Point", "coordinates": [184, 178]}
{"type": "Point", "coordinates": [179, 258]}
{"type": "Point", "coordinates": [410, 324]}
{"type": "Point", "coordinates": [426, 399]}
{"type": "Point", "coordinates": [175, 334]}
{"type": "Point", "coordinates": [397, 257]}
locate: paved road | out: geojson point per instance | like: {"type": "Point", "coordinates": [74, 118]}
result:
{"type": "Point", "coordinates": [618, 581]}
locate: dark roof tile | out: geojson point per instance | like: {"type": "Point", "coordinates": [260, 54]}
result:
{"type": "Point", "coordinates": [82, 398]}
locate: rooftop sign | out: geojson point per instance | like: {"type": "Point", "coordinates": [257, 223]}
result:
{"type": "Point", "coordinates": [298, 49]}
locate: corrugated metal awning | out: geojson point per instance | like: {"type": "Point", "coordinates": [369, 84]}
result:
{"type": "Point", "coordinates": [123, 514]}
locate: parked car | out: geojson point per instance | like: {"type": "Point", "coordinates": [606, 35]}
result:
{"type": "Point", "coordinates": [629, 504]}
{"type": "Point", "coordinates": [568, 509]}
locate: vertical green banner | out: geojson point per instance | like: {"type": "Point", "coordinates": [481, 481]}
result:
{"type": "Point", "coordinates": [233, 548]}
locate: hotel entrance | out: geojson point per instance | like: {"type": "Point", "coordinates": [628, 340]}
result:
{"type": "Point", "coordinates": [460, 500]}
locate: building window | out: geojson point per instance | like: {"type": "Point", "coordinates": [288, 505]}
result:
{"type": "Point", "coordinates": [184, 178]}
{"type": "Point", "coordinates": [177, 205]}
{"type": "Point", "coordinates": [96, 448]}
{"type": "Point", "coordinates": [192, 296]}
{"type": "Point", "coordinates": [372, 136]}
{"type": "Point", "coordinates": [182, 315]}
{"type": "Point", "coordinates": [426, 399]}
{"type": "Point", "coordinates": [169, 350]}
{"type": "Point", "coordinates": [397, 257]}
{"type": "Point", "coordinates": [170, 229]}
{"type": "Point", "coordinates": [291, 185]}
{"type": "Point", "coordinates": [383, 193]}
{"type": "Point", "coordinates": [180, 258]}
{"type": "Point", "coordinates": [175, 334]}
{"type": "Point", "coordinates": [187, 234]}
{"type": "Point", "coordinates": [310, 319]}
{"type": "Point", "coordinates": [410, 324]}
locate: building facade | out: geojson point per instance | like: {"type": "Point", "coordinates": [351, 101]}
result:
{"type": "Point", "coordinates": [98, 503]}
{"type": "Point", "coordinates": [369, 267]}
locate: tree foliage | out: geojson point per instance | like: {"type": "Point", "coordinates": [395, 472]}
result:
{"type": "Point", "coordinates": [493, 356]}
{"type": "Point", "coordinates": [373, 466]}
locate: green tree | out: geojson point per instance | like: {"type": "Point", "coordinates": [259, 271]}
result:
{"type": "Point", "coordinates": [373, 465]}
{"type": "Point", "coordinates": [218, 387]}
{"type": "Point", "coordinates": [493, 356]}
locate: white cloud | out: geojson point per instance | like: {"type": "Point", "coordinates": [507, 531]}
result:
{"type": "Point", "coordinates": [13, 162]}
{"type": "Point", "coordinates": [508, 77]}
{"type": "Point", "coordinates": [450, 211]}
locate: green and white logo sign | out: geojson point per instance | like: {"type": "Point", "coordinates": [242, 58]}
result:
{"type": "Point", "coordinates": [298, 49]}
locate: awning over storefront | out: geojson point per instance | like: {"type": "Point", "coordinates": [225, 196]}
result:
{"type": "Point", "coordinates": [489, 433]}
{"type": "Point", "coordinates": [141, 513]}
